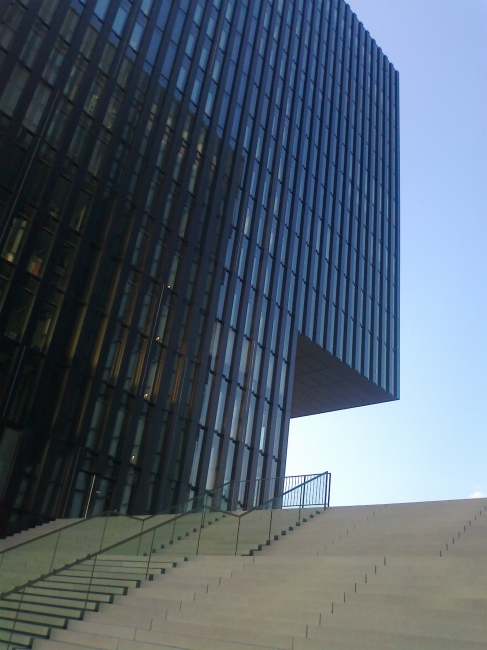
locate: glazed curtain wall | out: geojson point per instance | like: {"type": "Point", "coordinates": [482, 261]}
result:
{"type": "Point", "coordinates": [183, 187]}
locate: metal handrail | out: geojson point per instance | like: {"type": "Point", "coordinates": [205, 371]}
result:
{"type": "Point", "coordinates": [91, 556]}
{"type": "Point", "coordinates": [144, 518]}
{"type": "Point", "coordinates": [219, 492]}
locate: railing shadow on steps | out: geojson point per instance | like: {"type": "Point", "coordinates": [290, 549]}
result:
{"type": "Point", "coordinates": [72, 585]}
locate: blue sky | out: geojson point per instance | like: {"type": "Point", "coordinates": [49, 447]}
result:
{"type": "Point", "coordinates": [432, 444]}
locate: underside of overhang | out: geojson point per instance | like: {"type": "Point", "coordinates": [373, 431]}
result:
{"type": "Point", "coordinates": [323, 383]}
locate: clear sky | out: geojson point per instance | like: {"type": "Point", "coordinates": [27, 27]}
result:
{"type": "Point", "coordinates": [432, 444]}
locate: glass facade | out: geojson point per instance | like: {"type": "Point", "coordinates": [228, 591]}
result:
{"type": "Point", "coordinates": [198, 200]}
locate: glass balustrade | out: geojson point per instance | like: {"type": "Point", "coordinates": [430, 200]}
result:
{"type": "Point", "coordinates": [92, 562]}
{"type": "Point", "coordinates": [205, 529]}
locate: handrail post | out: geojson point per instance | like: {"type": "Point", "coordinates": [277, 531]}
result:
{"type": "Point", "coordinates": [95, 559]}
{"type": "Point", "coordinates": [302, 500]}
{"type": "Point", "coordinates": [201, 528]}
{"type": "Point", "coordinates": [173, 529]}
{"type": "Point", "coordinates": [270, 524]}
{"type": "Point", "coordinates": [87, 507]}
{"type": "Point", "coordinates": [140, 538]}
{"type": "Point", "coordinates": [150, 553]}
{"type": "Point", "coordinates": [54, 552]}
{"type": "Point", "coordinates": [238, 533]}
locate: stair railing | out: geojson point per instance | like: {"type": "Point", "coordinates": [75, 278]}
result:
{"type": "Point", "coordinates": [192, 533]}
{"type": "Point", "coordinates": [38, 565]}
{"type": "Point", "coordinates": [213, 497]}
{"type": "Point", "coordinates": [52, 553]}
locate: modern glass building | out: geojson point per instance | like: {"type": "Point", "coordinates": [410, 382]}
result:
{"type": "Point", "coordinates": [199, 208]}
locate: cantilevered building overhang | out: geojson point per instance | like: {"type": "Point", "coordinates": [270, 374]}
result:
{"type": "Point", "coordinates": [323, 383]}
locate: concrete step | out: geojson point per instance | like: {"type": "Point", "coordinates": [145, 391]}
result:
{"type": "Point", "coordinates": [40, 600]}
{"type": "Point", "coordinates": [254, 611]}
{"type": "Point", "coordinates": [36, 618]}
{"type": "Point", "coordinates": [16, 639]}
{"type": "Point", "coordinates": [187, 618]}
{"type": "Point", "coordinates": [444, 602]}
{"type": "Point", "coordinates": [79, 582]}
{"type": "Point", "coordinates": [33, 607]}
{"type": "Point", "coordinates": [131, 612]}
{"type": "Point", "coordinates": [98, 641]}
{"type": "Point", "coordinates": [86, 575]}
{"type": "Point", "coordinates": [396, 588]}
{"type": "Point", "coordinates": [24, 627]}
{"type": "Point", "coordinates": [66, 586]}
{"type": "Point", "coordinates": [346, 639]}
{"type": "Point", "coordinates": [90, 593]}
{"type": "Point", "coordinates": [172, 633]}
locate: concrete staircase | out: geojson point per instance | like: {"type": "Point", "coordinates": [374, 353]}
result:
{"type": "Point", "coordinates": [406, 576]}
{"type": "Point", "coordinates": [47, 606]}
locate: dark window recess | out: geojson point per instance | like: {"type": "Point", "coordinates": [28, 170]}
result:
{"type": "Point", "coordinates": [23, 392]}
{"type": "Point", "coordinates": [34, 183]}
